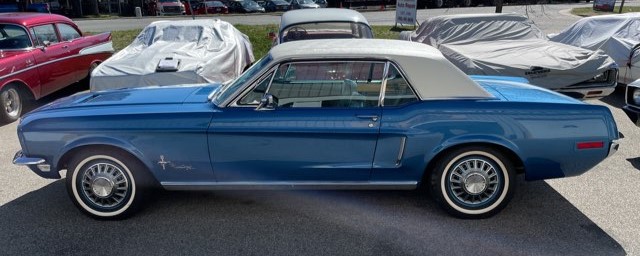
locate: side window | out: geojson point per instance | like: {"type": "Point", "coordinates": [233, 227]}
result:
{"type": "Point", "coordinates": [397, 91]}
{"type": "Point", "coordinates": [44, 33]}
{"type": "Point", "coordinates": [328, 84]}
{"type": "Point", "coordinates": [68, 33]}
{"type": "Point", "coordinates": [254, 97]}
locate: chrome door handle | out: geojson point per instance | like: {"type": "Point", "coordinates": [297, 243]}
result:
{"type": "Point", "coordinates": [372, 117]}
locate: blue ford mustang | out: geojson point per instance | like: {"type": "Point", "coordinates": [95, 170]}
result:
{"type": "Point", "coordinates": [333, 114]}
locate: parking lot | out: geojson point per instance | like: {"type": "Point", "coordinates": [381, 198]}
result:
{"type": "Point", "coordinates": [593, 214]}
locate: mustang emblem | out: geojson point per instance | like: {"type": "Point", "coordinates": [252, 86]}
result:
{"type": "Point", "coordinates": [164, 164]}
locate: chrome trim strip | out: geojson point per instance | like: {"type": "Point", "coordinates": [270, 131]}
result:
{"type": "Point", "coordinates": [383, 86]}
{"type": "Point", "coordinates": [403, 141]}
{"type": "Point", "coordinates": [311, 185]}
{"type": "Point", "coordinates": [20, 159]}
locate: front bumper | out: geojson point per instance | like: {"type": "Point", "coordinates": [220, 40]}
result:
{"type": "Point", "coordinates": [38, 165]}
{"type": "Point", "coordinates": [588, 92]}
{"type": "Point", "coordinates": [633, 113]}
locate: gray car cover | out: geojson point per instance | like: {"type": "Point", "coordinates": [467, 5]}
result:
{"type": "Point", "coordinates": [509, 44]}
{"type": "Point", "coordinates": [206, 51]}
{"type": "Point", "coordinates": [616, 35]}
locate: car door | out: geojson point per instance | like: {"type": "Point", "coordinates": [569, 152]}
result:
{"type": "Point", "coordinates": [55, 69]}
{"type": "Point", "coordinates": [324, 128]}
{"type": "Point", "coordinates": [74, 43]}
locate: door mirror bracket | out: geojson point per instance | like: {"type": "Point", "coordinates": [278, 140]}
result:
{"type": "Point", "coordinates": [268, 102]}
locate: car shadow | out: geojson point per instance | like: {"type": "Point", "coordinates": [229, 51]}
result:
{"type": "Point", "coordinates": [635, 162]}
{"type": "Point", "coordinates": [616, 99]}
{"type": "Point", "coordinates": [538, 221]}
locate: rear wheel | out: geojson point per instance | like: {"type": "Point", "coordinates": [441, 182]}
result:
{"type": "Point", "coordinates": [106, 184]}
{"type": "Point", "coordinates": [11, 103]}
{"type": "Point", "coordinates": [473, 182]}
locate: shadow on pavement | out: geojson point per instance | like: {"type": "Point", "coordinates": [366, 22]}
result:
{"type": "Point", "coordinates": [538, 221]}
{"type": "Point", "coordinates": [635, 162]}
{"type": "Point", "coordinates": [616, 99]}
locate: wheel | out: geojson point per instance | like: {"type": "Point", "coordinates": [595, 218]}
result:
{"type": "Point", "coordinates": [473, 182]}
{"type": "Point", "coordinates": [12, 103]}
{"type": "Point", "coordinates": [466, 3]}
{"type": "Point", "coordinates": [106, 184]}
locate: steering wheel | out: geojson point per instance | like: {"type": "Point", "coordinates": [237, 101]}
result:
{"type": "Point", "coordinates": [296, 33]}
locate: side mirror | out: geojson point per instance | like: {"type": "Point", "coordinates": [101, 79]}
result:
{"type": "Point", "coordinates": [268, 102]}
{"type": "Point", "coordinates": [46, 43]}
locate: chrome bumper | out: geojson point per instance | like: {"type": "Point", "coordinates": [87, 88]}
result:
{"type": "Point", "coordinates": [21, 159]}
{"type": "Point", "coordinates": [588, 92]}
{"type": "Point", "coordinates": [613, 148]}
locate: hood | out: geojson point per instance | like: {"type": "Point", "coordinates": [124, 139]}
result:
{"type": "Point", "coordinates": [178, 94]}
{"type": "Point", "coordinates": [513, 89]}
{"type": "Point", "coordinates": [546, 64]}
{"type": "Point", "coordinates": [309, 6]}
{"type": "Point", "coordinates": [169, 4]}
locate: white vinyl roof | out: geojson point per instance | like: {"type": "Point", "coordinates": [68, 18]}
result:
{"type": "Point", "coordinates": [426, 69]}
{"type": "Point", "coordinates": [320, 15]}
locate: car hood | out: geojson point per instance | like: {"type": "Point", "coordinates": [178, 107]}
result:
{"type": "Point", "coordinates": [546, 64]}
{"type": "Point", "coordinates": [178, 94]}
{"type": "Point", "coordinates": [514, 89]}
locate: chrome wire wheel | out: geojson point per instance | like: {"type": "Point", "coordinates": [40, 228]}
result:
{"type": "Point", "coordinates": [474, 181]}
{"type": "Point", "coordinates": [105, 185]}
{"type": "Point", "coordinates": [11, 102]}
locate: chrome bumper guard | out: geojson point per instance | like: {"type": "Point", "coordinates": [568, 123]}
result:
{"type": "Point", "coordinates": [21, 159]}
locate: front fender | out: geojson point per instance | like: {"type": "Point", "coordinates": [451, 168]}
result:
{"type": "Point", "coordinates": [98, 141]}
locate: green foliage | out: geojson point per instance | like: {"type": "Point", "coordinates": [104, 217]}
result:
{"type": "Point", "coordinates": [258, 35]}
{"type": "Point", "coordinates": [588, 11]}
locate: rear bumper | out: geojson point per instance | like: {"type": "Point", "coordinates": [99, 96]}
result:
{"type": "Point", "coordinates": [633, 113]}
{"type": "Point", "coordinates": [40, 166]}
{"type": "Point", "coordinates": [588, 92]}
{"type": "Point", "coordinates": [613, 148]}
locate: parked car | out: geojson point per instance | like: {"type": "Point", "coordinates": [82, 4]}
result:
{"type": "Point", "coordinates": [632, 100]}
{"type": "Point", "coordinates": [277, 6]}
{"type": "Point", "coordinates": [324, 114]}
{"type": "Point", "coordinates": [177, 52]}
{"type": "Point", "coordinates": [208, 7]}
{"type": "Point", "coordinates": [169, 7]}
{"type": "Point", "coordinates": [321, 3]}
{"type": "Point", "coordinates": [510, 44]}
{"type": "Point", "coordinates": [40, 54]}
{"type": "Point", "coordinates": [39, 7]}
{"type": "Point", "coordinates": [244, 6]}
{"type": "Point", "coordinates": [8, 7]}
{"type": "Point", "coordinates": [304, 4]}
{"type": "Point", "coordinates": [322, 23]}
{"type": "Point", "coordinates": [617, 35]}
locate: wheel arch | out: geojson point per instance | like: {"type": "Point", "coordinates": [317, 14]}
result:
{"type": "Point", "coordinates": [67, 153]}
{"type": "Point", "coordinates": [22, 86]}
{"type": "Point", "coordinates": [508, 149]}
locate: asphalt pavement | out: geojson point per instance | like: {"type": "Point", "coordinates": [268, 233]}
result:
{"type": "Point", "coordinates": [592, 214]}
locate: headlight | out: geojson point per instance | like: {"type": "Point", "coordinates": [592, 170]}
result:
{"type": "Point", "coordinates": [636, 96]}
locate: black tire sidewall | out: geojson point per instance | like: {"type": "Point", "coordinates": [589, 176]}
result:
{"type": "Point", "coordinates": [4, 116]}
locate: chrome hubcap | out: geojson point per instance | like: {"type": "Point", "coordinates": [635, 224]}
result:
{"type": "Point", "coordinates": [474, 181]}
{"type": "Point", "coordinates": [105, 185]}
{"type": "Point", "coordinates": [11, 102]}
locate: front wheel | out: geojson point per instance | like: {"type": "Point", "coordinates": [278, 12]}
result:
{"type": "Point", "coordinates": [11, 104]}
{"type": "Point", "coordinates": [473, 182]}
{"type": "Point", "coordinates": [106, 184]}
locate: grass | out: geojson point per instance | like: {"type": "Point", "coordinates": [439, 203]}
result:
{"type": "Point", "coordinates": [258, 35]}
{"type": "Point", "coordinates": [588, 11]}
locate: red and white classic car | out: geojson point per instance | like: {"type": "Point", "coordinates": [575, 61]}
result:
{"type": "Point", "coordinates": [40, 54]}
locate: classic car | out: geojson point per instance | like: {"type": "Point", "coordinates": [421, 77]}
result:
{"type": "Point", "coordinates": [618, 35]}
{"type": "Point", "coordinates": [168, 7]}
{"type": "Point", "coordinates": [277, 5]}
{"type": "Point", "coordinates": [205, 7]}
{"type": "Point", "coordinates": [40, 54]}
{"type": "Point", "coordinates": [325, 114]}
{"type": "Point", "coordinates": [175, 52]}
{"type": "Point", "coordinates": [322, 23]}
{"type": "Point", "coordinates": [511, 45]}
{"type": "Point", "coordinates": [632, 100]}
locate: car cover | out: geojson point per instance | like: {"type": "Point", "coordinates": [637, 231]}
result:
{"type": "Point", "coordinates": [177, 52]}
{"type": "Point", "coordinates": [617, 35]}
{"type": "Point", "coordinates": [511, 45]}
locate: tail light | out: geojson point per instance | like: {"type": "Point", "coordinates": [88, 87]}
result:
{"type": "Point", "coordinates": [590, 144]}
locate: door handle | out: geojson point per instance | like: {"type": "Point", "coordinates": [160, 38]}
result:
{"type": "Point", "coordinates": [65, 46]}
{"type": "Point", "coordinates": [372, 117]}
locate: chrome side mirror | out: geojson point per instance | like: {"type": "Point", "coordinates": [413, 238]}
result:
{"type": "Point", "coordinates": [46, 43]}
{"type": "Point", "coordinates": [268, 102]}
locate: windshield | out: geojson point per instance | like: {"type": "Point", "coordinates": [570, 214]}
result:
{"type": "Point", "coordinates": [326, 30]}
{"type": "Point", "coordinates": [229, 89]}
{"type": "Point", "coordinates": [214, 4]}
{"type": "Point", "coordinates": [279, 2]}
{"type": "Point", "coordinates": [168, 1]}
{"type": "Point", "coordinates": [13, 37]}
{"type": "Point", "coordinates": [306, 2]}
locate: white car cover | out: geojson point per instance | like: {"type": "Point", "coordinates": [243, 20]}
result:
{"type": "Point", "coordinates": [618, 35]}
{"type": "Point", "coordinates": [207, 51]}
{"type": "Point", "coordinates": [509, 44]}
